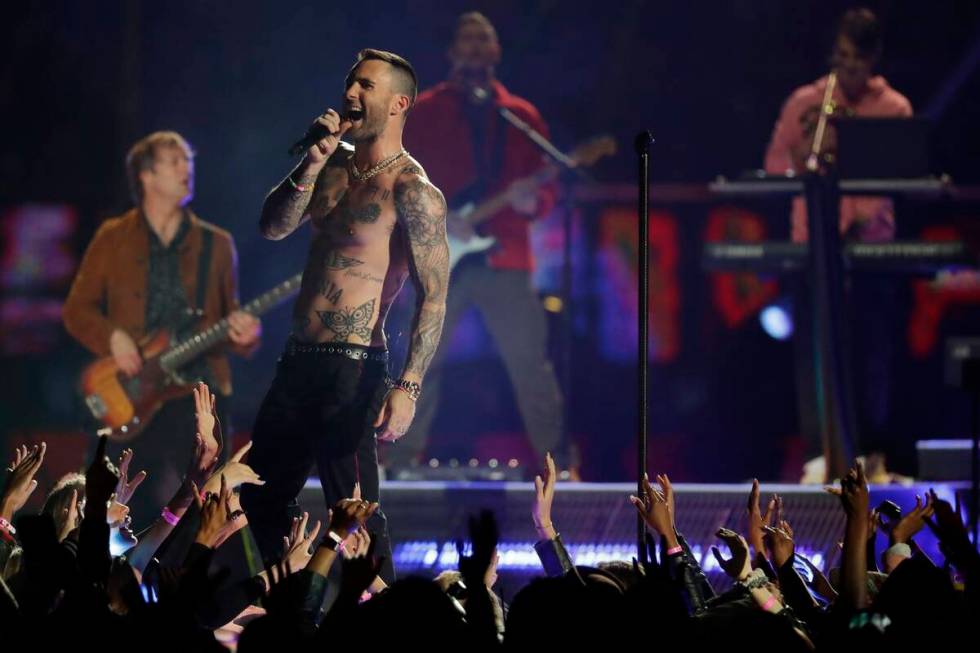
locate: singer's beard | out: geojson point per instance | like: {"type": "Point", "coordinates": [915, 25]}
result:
{"type": "Point", "coordinates": [368, 131]}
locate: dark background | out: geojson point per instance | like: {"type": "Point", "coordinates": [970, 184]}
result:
{"type": "Point", "coordinates": [79, 82]}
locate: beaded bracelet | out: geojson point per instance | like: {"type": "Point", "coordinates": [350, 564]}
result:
{"type": "Point", "coordinates": [300, 188]}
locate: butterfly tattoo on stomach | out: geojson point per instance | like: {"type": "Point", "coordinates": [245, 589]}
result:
{"type": "Point", "coordinates": [347, 322]}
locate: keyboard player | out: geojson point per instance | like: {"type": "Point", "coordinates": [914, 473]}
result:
{"type": "Point", "coordinates": [855, 91]}
{"type": "Point", "coordinates": [858, 92]}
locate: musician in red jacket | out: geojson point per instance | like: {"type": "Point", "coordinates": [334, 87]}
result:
{"type": "Point", "coordinates": [473, 154]}
{"type": "Point", "coordinates": [140, 274]}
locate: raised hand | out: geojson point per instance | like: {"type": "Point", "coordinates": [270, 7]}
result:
{"type": "Point", "coordinates": [853, 492]}
{"type": "Point", "coordinates": [126, 487]}
{"type": "Point", "coordinates": [217, 515]}
{"type": "Point", "coordinates": [913, 521]}
{"type": "Point", "coordinates": [71, 517]}
{"type": "Point", "coordinates": [202, 464]}
{"type": "Point", "coordinates": [296, 547]}
{"type": "Point", "coordinates": [757, 519]}
{"type": "Point", "coordinates": [336, 126]}
{"type": "Point", "coordinates": [738, 566]}
{"type": "Point", "coordinates": [949, 528]}
{"type": "Point", "coordinates": [655, 510]}
{"type": "Point", "coordinates": [20, 481]}
{"type": "Point", "coordinates": [668, 491]}
{"type": "Point", "coordinates": [544, 495]}
{"type": "Point", "coordinates": [20, 453]}
{"type": "Point", "coordinates": [356, 544]}
{"type": "Point", "coordinates": [874, 521]}
{"type": "Point", "coordinates": [484, 536]}
{"type": "Point", "coordinates": [235, 472]}
{"type": "Point", "coordinates": [350, 514]}
{"type": "Point", "coordinates": [206, 418]}
{"type": "Point", "coordinates": [490, 578]}
{"type": "Point", "coordinates": [117, 514]}
{"type": "Point", "coordinates": [780, 539]}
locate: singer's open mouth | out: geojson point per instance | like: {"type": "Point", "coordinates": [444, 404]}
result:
{"type": "Point", "coordinates": [355, 114]}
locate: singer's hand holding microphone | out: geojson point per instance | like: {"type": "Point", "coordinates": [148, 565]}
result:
{"type": "Point", "coordinates": [323, 136]}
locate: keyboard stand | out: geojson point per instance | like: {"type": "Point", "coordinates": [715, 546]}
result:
{"type": "Point", "coordinates": [825, 269]}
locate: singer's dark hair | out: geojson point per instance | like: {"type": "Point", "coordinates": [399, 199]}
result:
{"type": "Point", "coordinates": [405, 81]}
{"type": "Point", "coordinates": [143, 154]}
{"type": "Point", "coordinates": [861, 27]}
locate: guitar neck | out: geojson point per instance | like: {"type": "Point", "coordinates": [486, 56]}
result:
{"type": "Point", "coordinates": [189, 349]}
{"type": "Point", "coordinates": [584, 155]}
{"type": "Point", "coordinates": [487, 209]}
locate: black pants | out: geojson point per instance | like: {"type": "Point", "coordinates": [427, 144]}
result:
{"type": "Point", "coordinates": [319, 411]}
{"type": "Point", "coordinates": [513, 316]}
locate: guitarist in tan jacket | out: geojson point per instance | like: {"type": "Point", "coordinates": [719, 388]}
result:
{"type": "Point", "coordinates": [140, 274]}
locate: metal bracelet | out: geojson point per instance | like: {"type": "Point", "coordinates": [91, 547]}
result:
{"type": "Point", "coordinates": [411, 388]}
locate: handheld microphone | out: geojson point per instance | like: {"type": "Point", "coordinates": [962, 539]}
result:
{"type": "Point", "coordinates": [317, 132]}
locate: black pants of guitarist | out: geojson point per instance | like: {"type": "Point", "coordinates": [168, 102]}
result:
{"type": "Point", "coordinates": [318, 413]}
{"type": "Point", "coordinates": [164, 449]}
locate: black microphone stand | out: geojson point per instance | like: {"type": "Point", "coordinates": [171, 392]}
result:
{"type": "Point", "coordinates": [642, 143]}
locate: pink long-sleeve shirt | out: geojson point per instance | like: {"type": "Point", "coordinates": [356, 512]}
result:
{"type": "Point", "coordinates": [873, 218]}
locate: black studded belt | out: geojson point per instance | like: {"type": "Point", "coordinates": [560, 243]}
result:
{"type": "Point", "coordinates": [353, 352]}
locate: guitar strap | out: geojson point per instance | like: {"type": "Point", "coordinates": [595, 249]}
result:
{"type": "Point", "coordinates": [486, 126]}
{"type": "Point", "coordinates": [499, 135]}
{"type": "Point", "coordinates": [203, 268]}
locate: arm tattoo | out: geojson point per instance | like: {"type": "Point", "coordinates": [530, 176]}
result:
{"type": "Point", "coordinates": [346, 322]}
{"type": "Point", "coordinates": [422, 210]}
{"type": "Point", "coordinates": [286, 208]}
{"type": "Point", "coordinates": [283, 211]}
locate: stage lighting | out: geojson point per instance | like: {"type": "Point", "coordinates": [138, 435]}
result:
{"type": "Point", "coordinates": [777, 320]}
